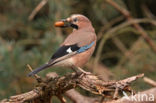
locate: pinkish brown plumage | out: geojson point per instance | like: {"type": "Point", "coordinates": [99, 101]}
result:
{"type": "Point", "coordinates": [77, 48]}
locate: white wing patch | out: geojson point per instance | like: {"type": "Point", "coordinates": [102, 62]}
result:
{"type": "Point", "coordinates": [69, 50]}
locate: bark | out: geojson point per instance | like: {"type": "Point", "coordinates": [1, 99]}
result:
{"type": "Point", "coordinates": [53, 85]}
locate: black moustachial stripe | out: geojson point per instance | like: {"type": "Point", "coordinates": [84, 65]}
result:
{"type": "Point", "coordinates": [74, 26]}
{"type": "Point", "coordinates": [63, 51]}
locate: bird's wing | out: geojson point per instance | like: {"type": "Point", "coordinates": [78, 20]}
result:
{"type": "Point", "coordinates": [65, 52]}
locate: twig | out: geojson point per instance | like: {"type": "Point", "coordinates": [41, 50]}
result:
{"type": "Point", "coordinates": [38, 78]}
{"type": "Point", "coordinates": [62, 99]}
{"type": "Point", "coordinates": [136, 25]}
{"type": "Point", "coordinates": [116, 93]}
{"type": "Point", "coordinates": [108, 25]}
{"type": "Point", "coordinates": [147, 11]}
{"type": "Point", "coordinates": [37, 9]}
{"type": "Point", "coordinates": [150, 81]}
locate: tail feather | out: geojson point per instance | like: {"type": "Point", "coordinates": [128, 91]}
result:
{"type": "Point", "coordinates": [38, 69]}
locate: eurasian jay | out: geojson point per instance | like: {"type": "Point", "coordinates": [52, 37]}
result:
{"type": "Point", "coordinates": [77, 48]}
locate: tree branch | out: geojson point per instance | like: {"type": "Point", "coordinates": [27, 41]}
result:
{"type": "Point", "coordinates": [56, 86]}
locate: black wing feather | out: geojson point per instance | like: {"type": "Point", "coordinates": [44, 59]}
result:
{"type": "Point", "coordinates": [62, 51]}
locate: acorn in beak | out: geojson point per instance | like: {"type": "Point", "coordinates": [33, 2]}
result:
{"type": "Point", "coordinates": [65, 23]}
{"type": "Point", "coordinates": [59, 24]}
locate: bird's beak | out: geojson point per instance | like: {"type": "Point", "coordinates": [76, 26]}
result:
{"type": "Point", "coordinates": [63, 23]}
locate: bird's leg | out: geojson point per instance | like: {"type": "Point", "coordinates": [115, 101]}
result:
{"type": "Point", "coordinates": [80, 69]}
{"type": "Point", "coordinates": [74, 69]}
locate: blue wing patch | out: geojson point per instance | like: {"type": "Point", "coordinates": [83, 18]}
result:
{"type": "Point", "coordinates": [84, 48]}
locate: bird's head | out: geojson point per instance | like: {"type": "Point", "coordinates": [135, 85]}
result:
{"type": "Point", "coordinates": [75, 21]}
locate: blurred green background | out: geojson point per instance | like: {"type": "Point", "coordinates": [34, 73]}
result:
{"type": "Point", "coordinates": [33, 42]}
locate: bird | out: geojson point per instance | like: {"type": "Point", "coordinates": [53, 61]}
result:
{"type": "Point", "coordinates": [77, 48]}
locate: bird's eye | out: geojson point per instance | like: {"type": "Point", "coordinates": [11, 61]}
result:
{"type": "Point", "coordinates": [75, 19]}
